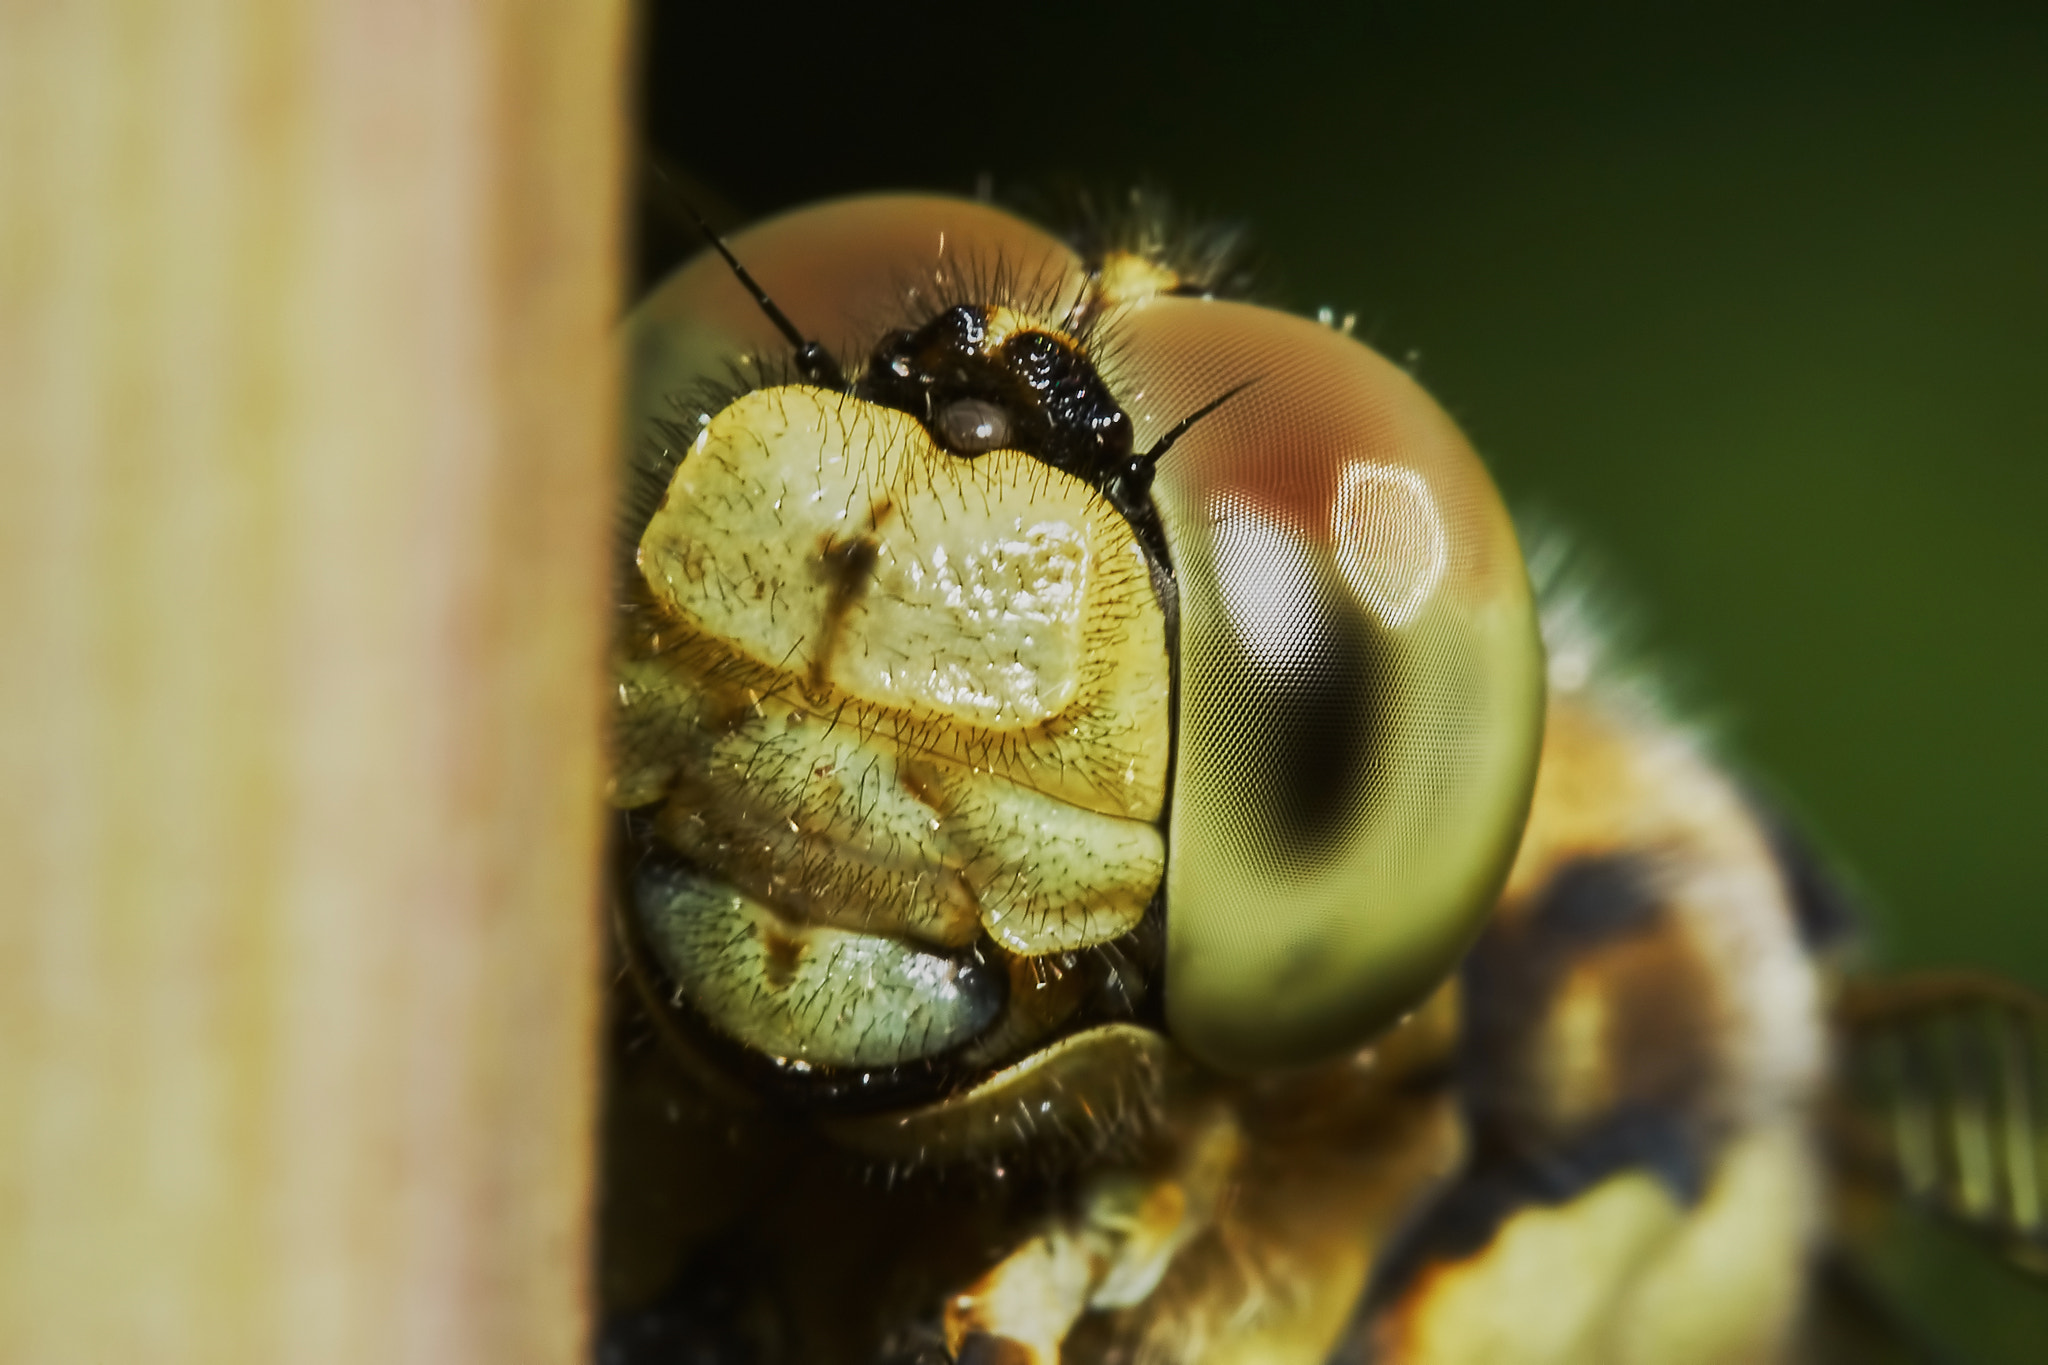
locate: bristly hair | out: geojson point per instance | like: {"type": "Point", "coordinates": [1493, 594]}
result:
{"type": "Point", "coordinates": [657, 444]}
{"type": "Point", "coordinates": [968, 276]}
{"type": "Point", "coordinates": [1593, 633]}
{"type": "Point", "coordinates": [1214, 258]}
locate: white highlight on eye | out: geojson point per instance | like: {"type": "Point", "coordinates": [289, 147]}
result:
{"type": "Point", "coordinates": [1267, 580]}
{"type": "Point", "coordinates": [1390, 540]}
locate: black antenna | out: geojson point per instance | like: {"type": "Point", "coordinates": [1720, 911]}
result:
{"type": "Point", "coordinates": [1180, 428]}
{"type": "Point", "coordinates": [813, 361]}
{"type": "Point", "coordinates": [1130, 485]}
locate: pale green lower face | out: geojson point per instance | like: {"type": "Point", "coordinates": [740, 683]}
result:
{"type": "Point", "coordinates": [816, 994]}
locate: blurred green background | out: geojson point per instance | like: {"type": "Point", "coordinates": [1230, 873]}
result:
{"type": "Point", "coordinates": [1755, 299]}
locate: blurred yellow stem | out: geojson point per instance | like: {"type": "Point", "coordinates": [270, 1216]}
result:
{"type": "Point", "coordinates": [305, 451]}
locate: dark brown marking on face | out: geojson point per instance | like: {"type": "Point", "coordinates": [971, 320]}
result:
{"type": "Point", "coordinates": [918, 783]}
{"type": "Point", "coordinates": [850, 565]}
{"type": "Point", "coordinates": [781, 955]}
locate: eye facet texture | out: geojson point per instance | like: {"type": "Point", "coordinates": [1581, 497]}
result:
{"type": "Point", "coordinates": [1360, 681]}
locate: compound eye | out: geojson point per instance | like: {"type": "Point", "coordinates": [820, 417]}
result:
{"type": "Point", "coordinates": [1360, 695]}
{"type": "Point", "coordinates": [971, 426]}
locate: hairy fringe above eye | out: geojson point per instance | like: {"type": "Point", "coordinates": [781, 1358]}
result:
{"type": "Point", "coordinates": [975, 279]}
{"type": "Point", "coordinates": [1213, 258]}
{"type": "Point", "coordinates": [1594, 635]}
{"type": "Point", "coordinates": [1593, 632]}
{"type": "Point", "coordinates": [1043, 296]}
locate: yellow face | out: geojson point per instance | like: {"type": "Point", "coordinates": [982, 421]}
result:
{"type": "Point", "coordinates": [900, 729]}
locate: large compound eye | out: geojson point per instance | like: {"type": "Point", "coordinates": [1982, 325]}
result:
{"type": "Point", "coordinates": [1360, 682]}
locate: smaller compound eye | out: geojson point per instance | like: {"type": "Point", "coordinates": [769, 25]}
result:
{"type": "Point", "coordinates": [970, 426]}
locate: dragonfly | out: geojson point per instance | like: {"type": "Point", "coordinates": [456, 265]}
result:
{"type": "Point", "coordinates": [1126, 853]}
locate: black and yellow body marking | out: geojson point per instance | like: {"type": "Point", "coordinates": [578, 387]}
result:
{"type": "Point", "coordinates": [1641, 1052]}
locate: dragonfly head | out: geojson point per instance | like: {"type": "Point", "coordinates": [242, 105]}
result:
{"type": "Point", "coordinates": [1100, 668]}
